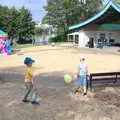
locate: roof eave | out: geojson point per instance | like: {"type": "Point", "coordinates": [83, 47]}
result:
{"type": "Point", "coordinates": [111, 4]}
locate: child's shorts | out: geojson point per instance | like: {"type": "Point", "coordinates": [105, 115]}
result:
{"type": "Point", "coordinates": [82, 80]}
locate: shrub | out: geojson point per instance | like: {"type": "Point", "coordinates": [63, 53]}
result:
{"type": "Point", "coordinates": [58, 38]}
{"type": "Point", "coordinates": [25, 42]}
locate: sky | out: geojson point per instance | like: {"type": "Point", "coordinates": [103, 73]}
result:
{"type": "Point", "coordinates": [35, 6]}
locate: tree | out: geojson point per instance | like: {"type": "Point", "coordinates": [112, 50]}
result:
{"type": "Point", "coordinates": [107, 1]}
{"type": "Point", "coordinates": [17, 23]}
{"type": "Point", "coordinates": [41, 30]}
{"type": "Point", "coordinates": [13, 24]}
{"type": "Point", "coordinates": [26, 28]}
{"type": "Point", "coordinates": [4, 17]}
{"type": "Point", "coordinates": [117, 1]}
{"type": "Point", "coordinates": [64, 13]}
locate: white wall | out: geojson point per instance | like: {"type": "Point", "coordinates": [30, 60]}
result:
{"type": "Point", "coordinates": [116, 36]}
{"type": "Point", "coordinates": [109, 34]}
{"type": "Point", "coordinates": [82, 39]}
{"type": "Point", "coordinates": [89, 34]}
{"type": "Point", "coordinates": [85, 35]}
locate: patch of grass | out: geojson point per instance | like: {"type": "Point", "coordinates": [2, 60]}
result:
{"type": "Point", "coordinates": [19, 46]}
{"type": "Point", "coordinates": [64, 42]}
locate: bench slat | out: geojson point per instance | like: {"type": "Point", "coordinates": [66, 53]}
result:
{"type": "Point", "coordinates": [105, 74]}
{"type": "Point", "coordinates": [101, 79]}
{"type": "Point", "coordinates": [104, 79]}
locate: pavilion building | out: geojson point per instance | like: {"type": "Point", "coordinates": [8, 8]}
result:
{"type": "Point", "coordinates": [105, 25]}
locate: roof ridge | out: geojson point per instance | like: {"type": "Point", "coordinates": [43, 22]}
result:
{"type": "Point", "coordinates": [96, 16]}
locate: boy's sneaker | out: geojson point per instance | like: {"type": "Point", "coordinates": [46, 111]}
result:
{"type": "Point", "coordinates": [25, 100]}
{"type": "Point", "coordinates": [84, 94]}
{"type": "Point", "coordinates": [75, 91]}
{"type": "Point", "coordinates": [35, 103]}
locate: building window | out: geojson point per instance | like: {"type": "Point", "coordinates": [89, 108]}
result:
{"type": "Point", "coordinates": [102, 36]}
{"type": "Point", "coordinates": [76, 39]}
{"type": "Point", "coordinates": [71, 38]}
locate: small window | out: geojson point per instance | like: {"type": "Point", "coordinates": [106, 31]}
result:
{"type": "Point", "coordinates": [71, 38]}
{"type": "Point", "coordinates": [102, 36]}
{"type": "Point", "coordinates": [76, 39]}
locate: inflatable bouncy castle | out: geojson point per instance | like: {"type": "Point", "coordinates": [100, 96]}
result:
{"type": "Point", "coordinates": [5, 48]}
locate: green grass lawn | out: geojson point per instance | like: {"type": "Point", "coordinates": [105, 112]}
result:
{"type": "Point", "coordinates": [20, 46]}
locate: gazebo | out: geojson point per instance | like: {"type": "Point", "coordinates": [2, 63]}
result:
{"type": "Point", "coordinates": [104, 26]}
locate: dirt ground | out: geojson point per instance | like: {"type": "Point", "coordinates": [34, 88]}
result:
{"type": "Point", "coordinates": [56, 100]}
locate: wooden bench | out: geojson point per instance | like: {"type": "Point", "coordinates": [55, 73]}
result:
{"type": "Point", "coordinates": [104, 79]}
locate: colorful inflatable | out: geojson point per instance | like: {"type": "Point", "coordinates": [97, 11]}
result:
{"type": "Point", "coordinates": [5, 48]}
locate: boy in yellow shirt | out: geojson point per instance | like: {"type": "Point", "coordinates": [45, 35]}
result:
{"type": "Point", "coordinates": [29, 81]}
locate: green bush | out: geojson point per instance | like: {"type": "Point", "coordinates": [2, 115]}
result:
{"type": "Point", "coordinates": [58, 38]}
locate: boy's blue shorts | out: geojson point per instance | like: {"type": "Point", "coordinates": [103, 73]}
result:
{"type": "Point", "coordinates": [82, 80]}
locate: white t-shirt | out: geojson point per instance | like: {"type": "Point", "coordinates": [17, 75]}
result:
{"type": "Point", "coordinates": [83, 68]}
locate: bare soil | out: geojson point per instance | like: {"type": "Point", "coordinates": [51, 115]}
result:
{"type": "Point", "coordinates": [56, 100]}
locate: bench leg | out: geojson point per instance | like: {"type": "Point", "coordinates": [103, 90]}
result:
{"type": "Point", "coordinates": [90, 84]}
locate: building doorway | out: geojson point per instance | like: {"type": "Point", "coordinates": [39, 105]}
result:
{"type": "Point", "coordinates": [91, 42]}
{"type": "Point", "coordinates": [102, 41]}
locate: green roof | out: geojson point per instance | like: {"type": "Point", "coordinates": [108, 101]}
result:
{"type": "Point", "coordinates": [98, 15]}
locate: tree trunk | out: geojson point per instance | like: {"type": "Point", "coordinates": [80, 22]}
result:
{"type": "Point", "coordinates": [11, 41]}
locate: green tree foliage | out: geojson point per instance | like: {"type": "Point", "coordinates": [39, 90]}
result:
{"type": "Point", "coordinates": [26, 26]}
{"type": "Point", "coordinates": [4, 16]}
{"type": "Point", "coordinates": [12, 24]}
{"type": "Point", "coordinates": [117, 1]}
{"type": "Point", "coordinates": [64, 13]}
{"type": "Point", "coordinates": [41, 30]}
{"type": "Point", "coordinates": [17, 23]}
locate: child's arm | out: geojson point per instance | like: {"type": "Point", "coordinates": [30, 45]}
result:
{"type": "Point", "coordinates": [87, 70]}
{"type": "Point", "coordinates": [75, 77]}
{"type": "Point", "coordinates": [32, 77]}
{"type": "Point", "coordinates": [78, 70]}
{"type": "Point", "coordinates": [34, 83]}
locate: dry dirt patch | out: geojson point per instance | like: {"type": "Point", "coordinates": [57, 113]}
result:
{"type": "Point", "coordinates": [57, 102]}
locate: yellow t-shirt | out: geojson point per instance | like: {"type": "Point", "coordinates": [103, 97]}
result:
{"type": "Point", "coordinates": [29, 74]}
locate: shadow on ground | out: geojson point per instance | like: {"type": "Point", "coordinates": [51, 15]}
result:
{"type": "Point", "coordinates": [56, 102]}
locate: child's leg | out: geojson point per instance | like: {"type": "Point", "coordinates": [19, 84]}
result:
{"type": "Point", "coordinates": [76, 89]}
{"type": "Point", "coordinates": [34, 97]}
{"type": "Point", "coordinates": [34, 94]}
{"type": "Point", "coordinates": [84, 84]}
{"type": "Point", "coordinates": [28, 90]}
{"type": "Point", "coordinates": [85, 89]}
{"type": "Point", "coordinates": [80, 89]}
{"type": "Point", "coordinates": [78, 85]}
